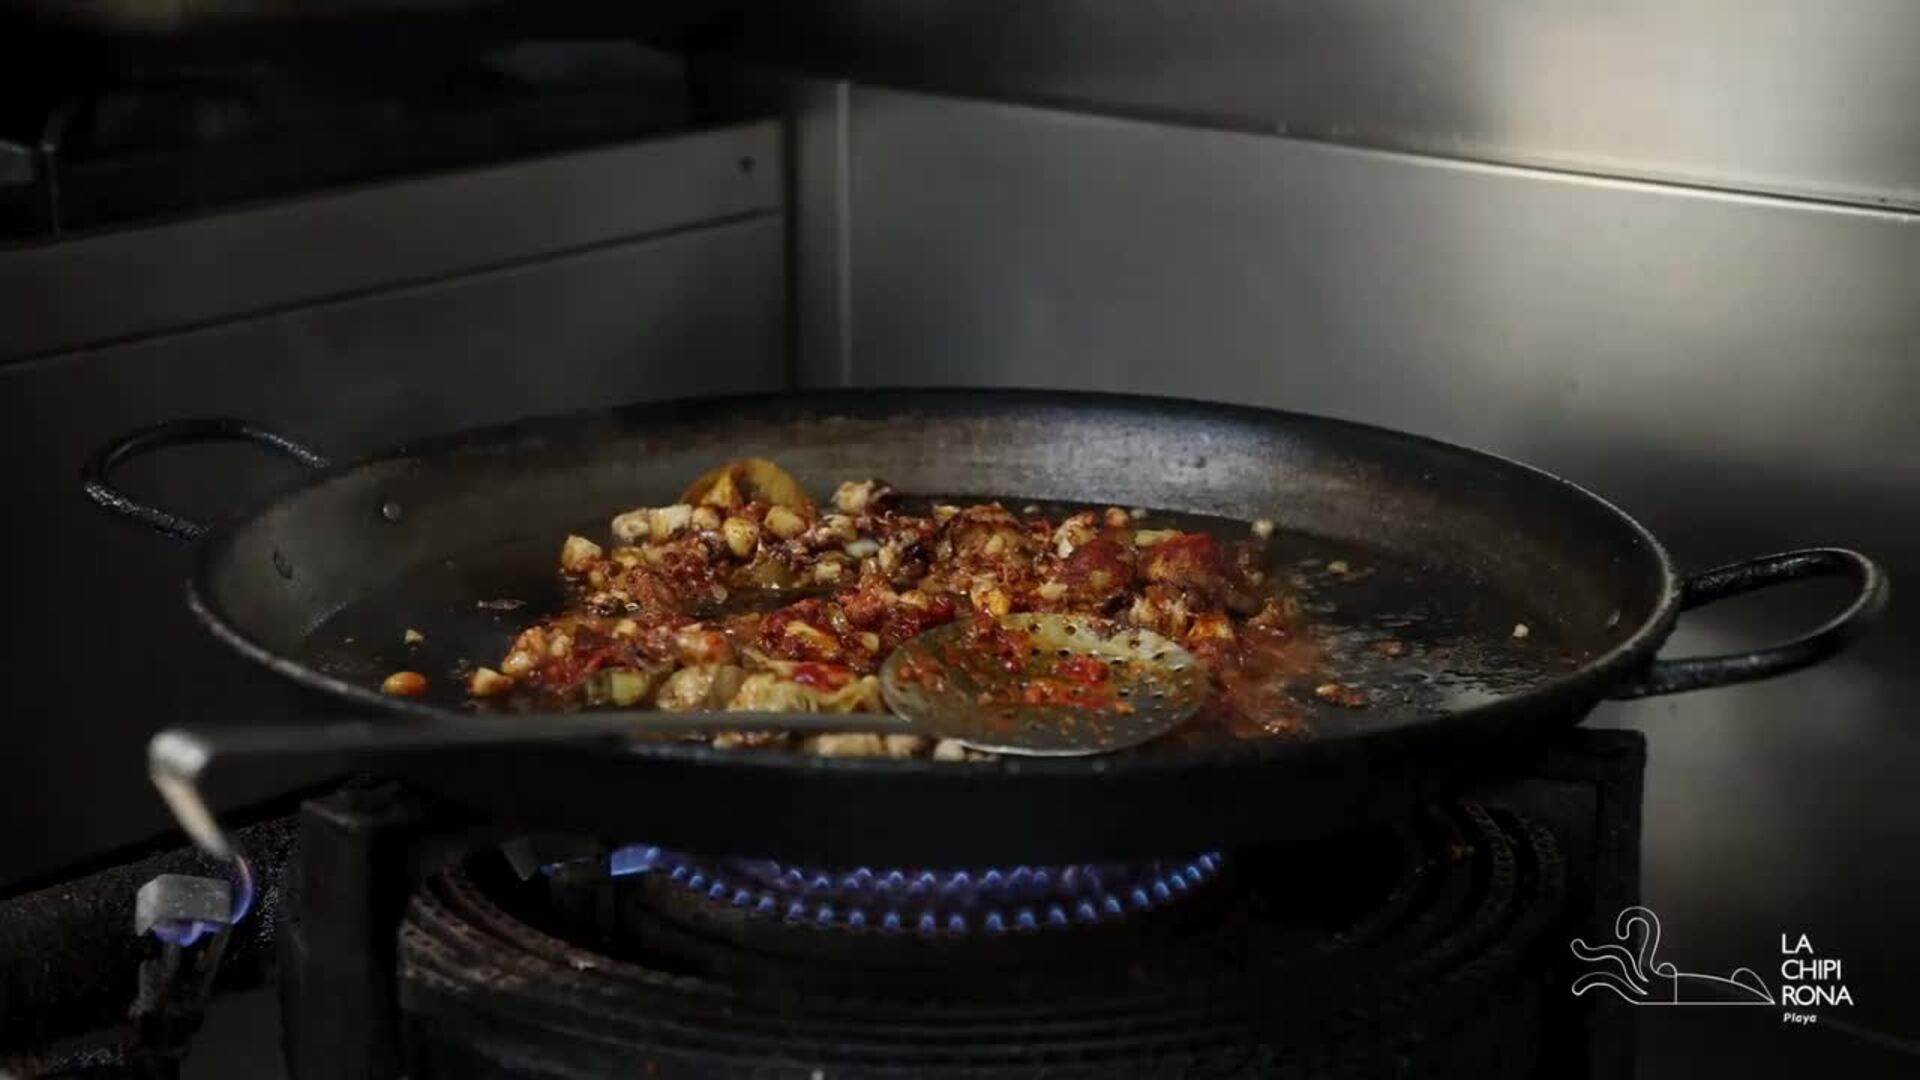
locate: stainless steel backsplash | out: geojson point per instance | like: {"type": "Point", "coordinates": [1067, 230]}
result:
{"type": "Point", "coordinates": [1737, 365]}
{"type": "Point", "coordinates": [1787, 96]}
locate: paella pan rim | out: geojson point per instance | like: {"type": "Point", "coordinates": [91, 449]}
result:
{"type": "Point", "coordinates": [1562, 698]}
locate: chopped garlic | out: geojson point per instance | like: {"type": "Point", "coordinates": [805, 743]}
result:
{"type": "Point", "coordinates": [578, 554]}
{"type": "Point", "coordinates": [413, 637]}
{"type": "Point", "coordinates": [742, 536]}
{"type": "Point", "coordinates": [904, 746]}
{"type": "Point", "coordinates": [1520, 630]}
{"type": "Point", "coordinates": [849, 744]}
{"type": "Point", "coordinates": [631, 526]}
{"type": "Point", "coordinates": [486, 682]}
{"type": "Point", "coordinates": [840, 527]}
{"type": "Point", "coordinates": [784, 523]}
{"type": "Point", "coordinates": [702, 686]}
{"type": "Point", "coordinates": [1073, 532]}
{"type": "Point", "coordinates": [766, 692]}
{"type": "Point", "coordinates": [695, 644]}
{"type": "Point", "coordinates": [665, 521]}
{"type": "Point", "coordinates": [734, 740]}
{"type": "Point", "coordinates": [811, 635]}
{"type": "Point", "coordinates": [404, 684]}
{"type": "Point", "coordinates": [857, 497]}
{"type": "Point", "coordinates": [1263, 528]}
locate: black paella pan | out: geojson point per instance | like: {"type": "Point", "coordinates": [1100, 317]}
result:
{"type": "Point", "coordinates": [1480, 604]}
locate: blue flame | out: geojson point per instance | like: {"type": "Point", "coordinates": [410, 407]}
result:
{"type": "Point", "coordinates": [637, 859]}
{"type": "Point", "coordinates": [243, 889]}
{"type": "Point", "coordinates": [182, 932]}
{"type": "Point", "coordinates": [922, 901]}
{"type": "Point", "coordinates": [241, 893]}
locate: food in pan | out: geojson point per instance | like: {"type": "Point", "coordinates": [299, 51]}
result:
{"type": "Point", "coordinates": [747, 595]}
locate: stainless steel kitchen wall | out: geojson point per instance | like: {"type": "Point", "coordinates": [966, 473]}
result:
{"type": "Point", "coordinates": [117, 284]}
{"type": "Point", "coordinates": [353, 321]}
{"type": "Point", "coordinates": [1740, 371]}
{"type": "Point", "coordinates": [1789, 96]}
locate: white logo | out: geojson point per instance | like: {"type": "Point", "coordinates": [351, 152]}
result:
{"type": "Point", "coordinates": [1631, 969]}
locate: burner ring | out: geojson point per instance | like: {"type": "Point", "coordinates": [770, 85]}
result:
{"type": "Point", "coordinates": [1418, 950]}
{"type": "Point", "coordinates": [929, 903]}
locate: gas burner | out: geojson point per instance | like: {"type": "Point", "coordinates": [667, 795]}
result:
{"type": "Point", "coordinates": [1420, 950]}
{"type": "Point", "coordinates": [925, 902]}
{"type": "Point", "coordinates": [185, 932]}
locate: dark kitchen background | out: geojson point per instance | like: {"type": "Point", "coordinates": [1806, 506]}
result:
{"type": "Point", "coordinates": [1670, 251]}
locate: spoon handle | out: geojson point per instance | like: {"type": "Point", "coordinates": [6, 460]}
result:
{"type": "Point", "coordinates": [374, 738]}
{"type": "Point", "coordinates": [179, 759]}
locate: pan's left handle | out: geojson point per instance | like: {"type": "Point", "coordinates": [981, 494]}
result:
{"type": "Point", "coordinates": [97, 474]}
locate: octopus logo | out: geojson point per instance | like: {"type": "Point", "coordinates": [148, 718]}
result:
{"type": "Point", "coordinates": [1630, 969]}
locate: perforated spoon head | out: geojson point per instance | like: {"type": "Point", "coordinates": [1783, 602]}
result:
{"type": "Point", "coordinates": [1044, 685]}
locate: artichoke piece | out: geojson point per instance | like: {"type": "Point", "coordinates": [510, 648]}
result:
{"type": "Point", "coordinates": [620, 687]}
{"type": "Point", "coordinates": [746, 480]}
{"type": "Point", "coordinates": [702, 686]}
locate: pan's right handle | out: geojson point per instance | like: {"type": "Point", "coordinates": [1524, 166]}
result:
{"type": "Point", "coordinates": [97, 474]}
{"type": "Point", "coordinates": [1700, 672]}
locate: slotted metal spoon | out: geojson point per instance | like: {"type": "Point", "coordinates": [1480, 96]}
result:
{"type": "Point", "coordinates": [987, 702]}
{"type": "Point", "coordinates": [1151, 686]}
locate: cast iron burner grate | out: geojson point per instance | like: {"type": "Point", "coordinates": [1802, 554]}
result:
{"type": "Point", "coordinates": [1425, 950]}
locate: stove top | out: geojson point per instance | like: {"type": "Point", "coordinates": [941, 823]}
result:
{"type": "Point", "coordinates": [1426, 947]}
{"type": "Point", "coordinates": [407, 942]}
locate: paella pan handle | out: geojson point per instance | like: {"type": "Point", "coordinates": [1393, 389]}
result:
{"type": "Point", "coordinates": [1700, 672]}
{"type": "Point", "coordinates": [97, 474]}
